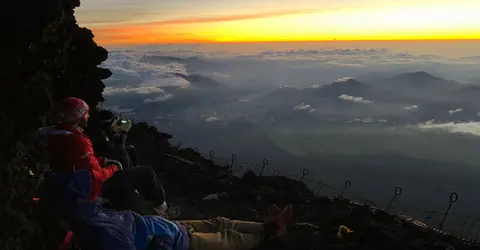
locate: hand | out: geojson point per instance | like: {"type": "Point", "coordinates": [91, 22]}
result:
{"type": "Point", "coordinates": [102, 161]}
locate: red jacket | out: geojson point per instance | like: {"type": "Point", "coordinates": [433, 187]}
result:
{"type": "Point", "coordinates": [70, 149]}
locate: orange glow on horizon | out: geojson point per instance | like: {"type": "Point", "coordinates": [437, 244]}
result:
{"type": "Point", "coordinates": [444, 22]}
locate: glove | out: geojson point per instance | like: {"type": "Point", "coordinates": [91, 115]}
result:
{"type": "Point", "coordinates": [125, 127]}
{"type": "Point", "coordinates": [114, 162]}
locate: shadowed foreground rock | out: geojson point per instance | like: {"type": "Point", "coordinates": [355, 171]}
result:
{"type": "Point", "coordinates": [46, 57]}
{"type": "Point", "coordinates": [189, 179]}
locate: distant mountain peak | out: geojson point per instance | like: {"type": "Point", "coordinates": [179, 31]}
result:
{"type": "Point", "coordinates": [422, 79]}
{"type": "Point", "coordinates": [419, 73]}
{"type": "Point", "coordinates": [418, 76]}
{"type": "Point", "coordinates": [347, 81]}
{"type": "Point", "coordinates": [342, 86]}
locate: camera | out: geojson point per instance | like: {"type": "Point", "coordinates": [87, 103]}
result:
{"type": "Point", "coordinates": [120, 122]}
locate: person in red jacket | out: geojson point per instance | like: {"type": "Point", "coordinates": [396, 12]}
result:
{"type": "Point", "coordinates": [70, 150]}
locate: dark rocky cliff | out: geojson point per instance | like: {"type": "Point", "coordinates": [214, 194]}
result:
{"type": "Point", "coordinates": [45, 56]}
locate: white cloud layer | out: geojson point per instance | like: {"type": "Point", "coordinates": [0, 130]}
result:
{"type": "Point", "coordinates": [412, 107]}
{"type": "Point", "coordinates": [302, 106]}
{"type": "Point", "coordinates": [134, 90]}
{"type": "Point", "coordinates": [212, 118]}
{"type": "Point", "coordinates": [343, 80]}
{"type": "Point", "coordinates": [470, 128]}
{"type": "Point", "coordinates": [129, 65]}
{"type": "Point", "coordinates": [355, 99]}
{"type": "Point", "coordinates": [306, 107]}
{"type": "Point", "coordinates": [152, 70]}
{"type": "Point", "coordinates": [161, 98]}
{"type": "Point", "coordinates": [453, 111]}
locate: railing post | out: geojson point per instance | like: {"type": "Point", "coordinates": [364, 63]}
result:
{"type": "Point", "coordinates": [318, 187]}
{"type": "Point", "coordinates": [453, 199]}
{"type": "Point", "coordinates": [234, 158]}
{"type": "Point", "coordinates": [465, 222]}
{"type": "Point", "coordinates": [348, 183]}
{"type": "Point", "coordinates": [477, 233]}
{"type": "Point", "coordinates": [398, 192]}
{"type": "Point", "coordinates": [305, 173]}
{"type": "Point", "coordinates": [211, 153]}
{"type": "Point", "coordinates": [265, 164]}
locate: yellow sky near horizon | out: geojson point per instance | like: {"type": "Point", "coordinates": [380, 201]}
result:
{"type": "Point", "coordinates": [418, 20]}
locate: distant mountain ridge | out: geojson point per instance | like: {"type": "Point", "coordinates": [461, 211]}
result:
{"type": "Point", "coordinates": [420, 79]}
{"type": "Point", "coordinates": [348, 86]}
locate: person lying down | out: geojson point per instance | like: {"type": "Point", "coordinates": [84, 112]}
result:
{"type": "Point", "coordinates": [97, 228]}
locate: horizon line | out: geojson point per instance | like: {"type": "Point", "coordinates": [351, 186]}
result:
{"type": "Point", "coordinates": [298, 41]}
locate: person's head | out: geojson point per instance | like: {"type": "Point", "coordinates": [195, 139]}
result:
{"type": "Point", "coordinates": [107, 120]}
{"type": "Point", "coordinates": [74, 111]}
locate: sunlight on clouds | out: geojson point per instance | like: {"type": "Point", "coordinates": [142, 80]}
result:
{"type": "Point", "coordinates": [451, 20]}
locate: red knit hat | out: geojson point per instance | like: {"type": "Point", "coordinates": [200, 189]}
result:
{"type": "Point", "coordinates": [72, 110]}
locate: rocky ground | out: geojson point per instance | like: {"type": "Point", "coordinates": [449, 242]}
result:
{"type": "Point", "coordinates": [189, 178]}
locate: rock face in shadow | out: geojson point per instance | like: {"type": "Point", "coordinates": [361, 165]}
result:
{"type": "Point", "coordinates": [46, 57]}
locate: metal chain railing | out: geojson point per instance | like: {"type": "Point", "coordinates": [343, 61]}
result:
{"type": "Point", "coordinates": [465, 226]}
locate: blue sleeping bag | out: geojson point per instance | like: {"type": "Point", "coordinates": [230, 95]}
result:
{"type": "Point", "coordinates": [97, 228]}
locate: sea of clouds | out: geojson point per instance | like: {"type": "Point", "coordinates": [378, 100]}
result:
{"type": "Point", "coordinates": [149, 74]}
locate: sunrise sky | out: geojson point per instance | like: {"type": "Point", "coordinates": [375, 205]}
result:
{"type": "Point", "coordinates": [187, 21]}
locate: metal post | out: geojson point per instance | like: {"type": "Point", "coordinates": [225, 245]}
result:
{"type": "Point", "coordinates": [348, 183]}
{"type": "Point", "coordinates": [318, 187]}
{"type": "Point", "coordinates": [465, 222]}
{"type": "Point", "coordinates": [453, 199]}
{"type": "Point", "coordinates": [305, 173]}
{"type": "Point", "coordinates": [265, 164]}
{"type": "Point", "coordinates": [211, 153]}
{"type": "Point", "coordinates": [234, 158]}
{"type": "Point", "coordinates": [398, 192]}
{"type": "Point", "coordinates": [477, 234]}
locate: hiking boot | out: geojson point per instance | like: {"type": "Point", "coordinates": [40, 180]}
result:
{"type": "Point", "coordinates": [276, 226]}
